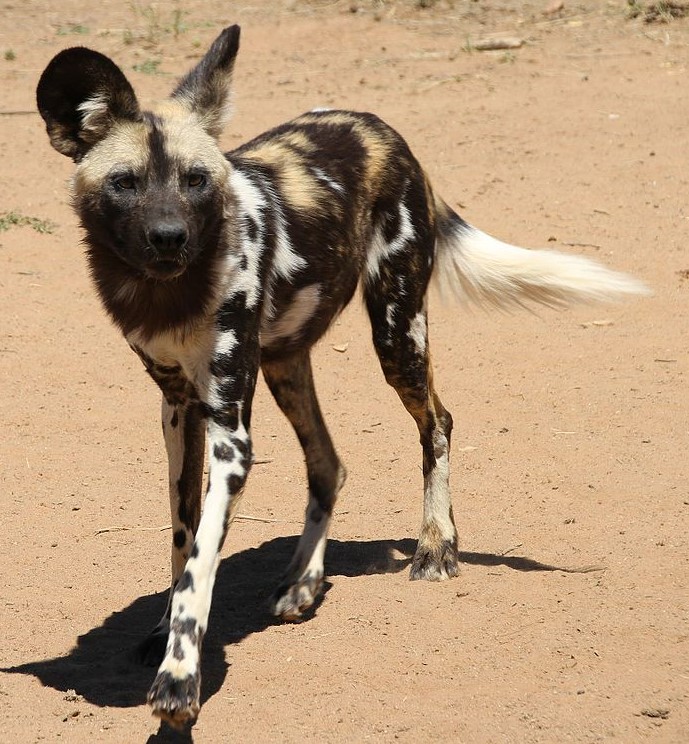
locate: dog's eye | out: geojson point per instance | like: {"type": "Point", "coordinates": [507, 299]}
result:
{"type": "Point", "coordinates": [125, 183]}
{"type": "Point", "coordinates": [195, 180]}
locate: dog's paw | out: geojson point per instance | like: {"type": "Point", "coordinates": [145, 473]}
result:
{"type": "Point", "coordinates": [151, 651]}
{"type": "Point", "coordinates": [175, 701]}
{"type": "Point", "coordinates": [292, 598]}
{"type": "Point", "coordinates": [435, 563]}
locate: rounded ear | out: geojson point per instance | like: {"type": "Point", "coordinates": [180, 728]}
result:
{"type": "Point", "coordinates": [205, 90]}
{"type": "Point", "coordinates": [80, 95]}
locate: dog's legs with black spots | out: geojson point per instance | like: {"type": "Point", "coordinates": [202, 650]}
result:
{"type": "Point", "coordinates": [184, 431]}
{"type": "Point", "coordinates": [400, 336]}
{"type": "Point", "coordinates": [406, 364]}
{"type": "Point", "coordinates": [184, 434]}
{"type": "Point", "coordinates": [226, 389]}
{"type": "Point", "coordinates": [175, 692]}
{"type": "Point", "coordinates": [291, 382]}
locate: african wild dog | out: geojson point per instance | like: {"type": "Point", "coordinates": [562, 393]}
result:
{"type": "Point", "coordinates": [215, 265]}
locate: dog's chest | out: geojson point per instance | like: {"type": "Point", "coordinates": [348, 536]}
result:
{"type": "Point", "coordinates": [180, 364]}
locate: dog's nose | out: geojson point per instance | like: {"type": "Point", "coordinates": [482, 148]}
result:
{"type": "Point", "coordinates": [168, 237]}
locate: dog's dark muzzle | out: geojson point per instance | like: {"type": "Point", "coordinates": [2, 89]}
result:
{"type": "Point", "coordinates": [168, 241]}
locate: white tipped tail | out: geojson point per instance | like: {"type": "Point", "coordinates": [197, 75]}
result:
{"type": "Point", "coordinates": [471, 265]}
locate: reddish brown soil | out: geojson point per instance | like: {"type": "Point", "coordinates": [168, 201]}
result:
{"type": "Point", "coordinates": [571, 427]}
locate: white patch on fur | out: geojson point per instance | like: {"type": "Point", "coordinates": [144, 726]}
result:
{"type": "Point", "coordinates": [390, 311]}
{"type": "Point", "coordinates": [221, 470]}
{"type": "Point", "coordinates": [380, 250]}
{"type": "Point", "coordinates": [417, 332]}
{"type": "Point", "coordinates": [471, 265]}
{"type": "Point", "coordinates": [322, 176]}
{"type": "Point", "coordinates": [286, 262]}
{"type": "Point", "coordinates": [295, 317]}
{"type": "Point", "coordinates": [436, 500]}
{"type": "Point", "coordinates": [180, 669]}
{"type": "Point", "coordinates": [250, 198]}
{"type": "Point", "coordinates": [225, 342]}
{"type": "Point", "coordinates": [94, 111]}
{"type": "Point", "coordinates": [247, 280]}
{"type": "Point", "coordinates": [251, 202]}
{"type": "Point", "coordinates": [213, 395]}
{"type": "Point", "coordinates": [311, 548]}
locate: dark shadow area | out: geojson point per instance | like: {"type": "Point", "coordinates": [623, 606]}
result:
{"type": "Point", "coordinates": [167, 735]}
{"type": "Point", "coordinates": [519, 563]}
{"type": "Point", "coordinates": [102, 668]}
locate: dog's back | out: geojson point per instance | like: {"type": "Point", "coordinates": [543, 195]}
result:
{"type": "Point", "coordinates": [345, 196]}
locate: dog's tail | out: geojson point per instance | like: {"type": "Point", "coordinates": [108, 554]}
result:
{"type": "Point", "coordinates": [470, 265]}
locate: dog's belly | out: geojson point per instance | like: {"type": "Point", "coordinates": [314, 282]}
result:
{"type": "Point", "coordinates": [298, 317]}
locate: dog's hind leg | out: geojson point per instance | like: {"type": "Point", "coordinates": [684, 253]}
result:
{"type": "Point", "coordinates": [397, 276]}
{"type": "Point", "coordinates": [403, 352]}
{"type": "Point", "coordinates": [291, 383]}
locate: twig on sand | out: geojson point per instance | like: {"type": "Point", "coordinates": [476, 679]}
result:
{"type": "Point", "coordinates": [162, 528]}
{"type": "Point", "coordinates": [574, 244]}
{"type": "Point", "coordinates": [505, 42]}
{"type": "Point", "coordinates": [441, 81]}
{"type": "Point", "coordinates": [249, 518]}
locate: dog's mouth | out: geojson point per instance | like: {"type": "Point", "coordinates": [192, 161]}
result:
{"type": "Point", "coordinates": [165, 270]}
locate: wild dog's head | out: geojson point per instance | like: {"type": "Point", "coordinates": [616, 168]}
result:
{"type": "Point", "coordinates": [150, 186]}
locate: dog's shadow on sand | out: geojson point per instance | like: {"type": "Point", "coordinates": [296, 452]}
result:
{"type": "Point", "coordinates": [102, 668]}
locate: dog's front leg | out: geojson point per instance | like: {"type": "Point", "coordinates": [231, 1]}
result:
{"type": "Point", "coordinates": [175, 693]}
{"type": "Point", "coordinates": [184, 431]}
{"type": "Point", "coordinates": [183, 428]}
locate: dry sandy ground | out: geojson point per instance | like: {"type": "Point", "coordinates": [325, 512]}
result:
{"type": "Point", "coordinates": [571, 427]}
